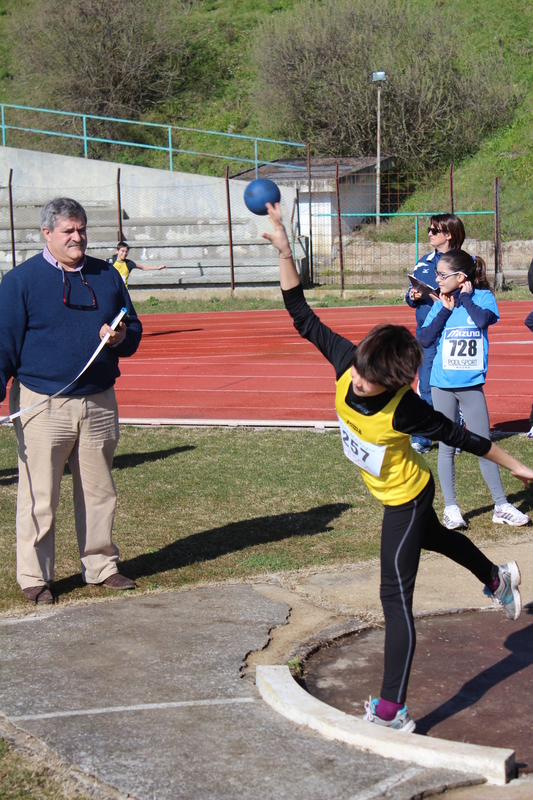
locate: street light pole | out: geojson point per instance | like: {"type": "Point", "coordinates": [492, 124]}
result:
{"type": "Point", "coordinates": [378, 77]}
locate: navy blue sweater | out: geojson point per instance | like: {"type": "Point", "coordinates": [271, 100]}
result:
{"type": "Point", "coordinates": [45, 343]}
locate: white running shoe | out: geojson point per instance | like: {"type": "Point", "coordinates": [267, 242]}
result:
{"type": "Point", "coordinates": [507, 594]}
{"type": "Point", "coordinates": [401, 722]}
{"type": "Point", "coordinates": [420, 448]}
{"type": "Point", "coordinates": [510, 515]}
{"type": "Point", "coordinates": [530, 433]}
{"type": "Point", "coordinates": [453, 518]}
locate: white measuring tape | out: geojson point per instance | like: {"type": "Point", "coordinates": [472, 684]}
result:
{"type": "Point", "coordinates": [113, 325]}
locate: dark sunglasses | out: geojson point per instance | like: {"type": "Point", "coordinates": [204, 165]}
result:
{"type": "Point", "coordinates": [66, 293]}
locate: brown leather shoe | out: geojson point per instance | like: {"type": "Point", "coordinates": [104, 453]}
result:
{"type": "Point", "coordinates": [118, 581]}
{"type": "Point", "coordinates": [40, 595]}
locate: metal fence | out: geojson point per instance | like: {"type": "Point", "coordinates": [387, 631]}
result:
{"type": "Point", "coordinates": [207, 237]}
{"type": "Point", "coordinates": [202, 231]}
{"type": "Point", "coordinates": [356, 245]}
{"type": "Point", "coordinates": [168, 146]}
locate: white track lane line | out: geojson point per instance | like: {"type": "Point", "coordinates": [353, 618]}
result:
{"type": "Point", "coordinates": [86, 712]}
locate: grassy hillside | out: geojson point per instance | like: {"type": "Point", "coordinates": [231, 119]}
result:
{"type": "Point", "coordinates": [216, 94]}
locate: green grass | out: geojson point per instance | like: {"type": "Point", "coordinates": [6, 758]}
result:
{"type": "Point", "coordinates": [212, 505]}
{"type": "Point", "coordinates": [216, 93]}
{"type": "Point", "coordinates": [326, 299]}
{"type": "Point", "coordinates": [26, 777]}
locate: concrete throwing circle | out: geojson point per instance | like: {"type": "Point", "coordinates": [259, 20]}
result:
{"type": "Point", "coordinates": [472, 675]}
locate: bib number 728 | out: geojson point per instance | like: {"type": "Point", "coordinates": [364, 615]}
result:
{"type": "Point", "coordinates": [463, 348]}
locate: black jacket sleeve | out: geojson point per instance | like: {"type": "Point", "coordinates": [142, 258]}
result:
{"type": "Point", "coordinates": [338, 350]}
{"type": "Point", "coordinates": [529, 321]}
{"type": "Point", "coordinates": [417, 418]}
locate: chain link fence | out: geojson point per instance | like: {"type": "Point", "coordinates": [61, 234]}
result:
{"type": "Point", "coordinates": [354, 246]}
{"type": "Point", "coordinates": [205, 235]}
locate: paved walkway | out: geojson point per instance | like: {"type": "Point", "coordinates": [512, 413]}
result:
{"type": "Point", "coordinates": [153, 696]}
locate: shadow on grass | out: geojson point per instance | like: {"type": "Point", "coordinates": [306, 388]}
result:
{"type": "Point", "coordinates": [520, 657]}
{"type": "Point", "coordinates": [127, 460]}
{"type": "Point", "coordinates": [522, 500]}
{"type": "Point", "coordinates": [216, 542]}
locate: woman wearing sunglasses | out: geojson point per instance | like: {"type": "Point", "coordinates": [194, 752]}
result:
{"type": "Point", "coordinates": [458, 325]}
{"type": "Point", "coordinates": [446, 232]}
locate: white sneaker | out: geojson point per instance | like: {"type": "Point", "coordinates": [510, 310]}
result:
{"type": "Point", "coordinates": [510, 515]}
{"type": "Point", "coordinates": [420, 448]}
{"type": "Point", "coordinates": [530, 434]}
{"type": "Point", "coordinates": [508, 594]}
{"type": "Point", "coordinates": [453, 519]}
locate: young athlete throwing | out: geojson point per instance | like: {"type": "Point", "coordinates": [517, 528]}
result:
{"type": "Point", "coordinates": [378, 412]}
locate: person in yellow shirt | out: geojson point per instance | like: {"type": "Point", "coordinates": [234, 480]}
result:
{"type": "Point", "coordinates": [378, 412]}
{"type": "Point", "coordinates": [124, 265]}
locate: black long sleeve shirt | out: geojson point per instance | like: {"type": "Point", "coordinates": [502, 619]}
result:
{"type": "Point", "coordinates": [413, 415]}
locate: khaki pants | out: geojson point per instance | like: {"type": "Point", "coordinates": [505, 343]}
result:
{"type": "Point", "coordinates": [84, 432]}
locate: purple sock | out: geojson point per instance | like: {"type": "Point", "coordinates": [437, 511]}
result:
{"type": "Point", "coordinates": [493, 585]}
{"type": "Point", "coordinates": [387, 710]}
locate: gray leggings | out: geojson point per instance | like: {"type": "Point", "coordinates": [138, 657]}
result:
{"type": "Point", "coordinates": [474, 407]}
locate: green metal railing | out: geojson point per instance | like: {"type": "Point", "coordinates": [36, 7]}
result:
{"type": "Point", "coordinates": [86, 138]}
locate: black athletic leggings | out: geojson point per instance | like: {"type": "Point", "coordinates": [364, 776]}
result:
{"type": "Point", "coordinates": [406, 529]}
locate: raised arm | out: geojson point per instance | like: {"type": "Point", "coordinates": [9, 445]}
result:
{"type": "Point", "coordinates": [147, 267]}
{"type": "Point", "coordinates": [288, 274]}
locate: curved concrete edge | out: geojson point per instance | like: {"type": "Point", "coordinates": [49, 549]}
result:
{"type": "Point", "coordinates": [279, 689]}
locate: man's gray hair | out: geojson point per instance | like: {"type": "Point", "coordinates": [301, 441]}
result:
{"type": "Point", "coordinates": [61, 208]}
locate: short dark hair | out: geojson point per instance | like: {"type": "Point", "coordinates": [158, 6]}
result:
{"type": "Point", "coordinates": [449, 223]}
{"type": "Point", "coordinates": [389, 355]}
{"type": "Point", "coordinates": [122, 244]}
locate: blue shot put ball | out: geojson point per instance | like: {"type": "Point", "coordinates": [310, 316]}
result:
{"type": "Point", "coordinates": [260, 192]}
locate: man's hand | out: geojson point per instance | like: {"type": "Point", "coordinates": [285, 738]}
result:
{"type": "Point", "coordinates": [115, 336]}
{"type": "Point", "coordinates": [415, 294]}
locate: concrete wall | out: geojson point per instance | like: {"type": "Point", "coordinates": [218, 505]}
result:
{"type": "Point", "coordinates": [175, 218]}
{"type": "Point", "coordinates": [147, 193]}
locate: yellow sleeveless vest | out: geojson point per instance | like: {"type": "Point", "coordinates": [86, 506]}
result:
{"type": "Point", "coordinates": [392, 470]}
{"type": "Point", "coordinates": [124, 270]}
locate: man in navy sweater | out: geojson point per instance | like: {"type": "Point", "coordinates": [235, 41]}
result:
{"type": "Point", "coordinates": [54, 309]}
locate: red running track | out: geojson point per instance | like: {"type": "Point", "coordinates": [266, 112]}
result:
{"type": "Point", "coordinates": [252, 365]}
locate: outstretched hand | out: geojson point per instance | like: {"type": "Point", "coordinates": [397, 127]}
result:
{"type": "Point", "coordinates": [523, 474]}
{"type": "Point", "coordinates": [279, 236]}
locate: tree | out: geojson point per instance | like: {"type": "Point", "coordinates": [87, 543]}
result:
{"type": "Point", "coordinates": [105, 57]}
{"type": "Point", "coordinates": [314, 66]}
